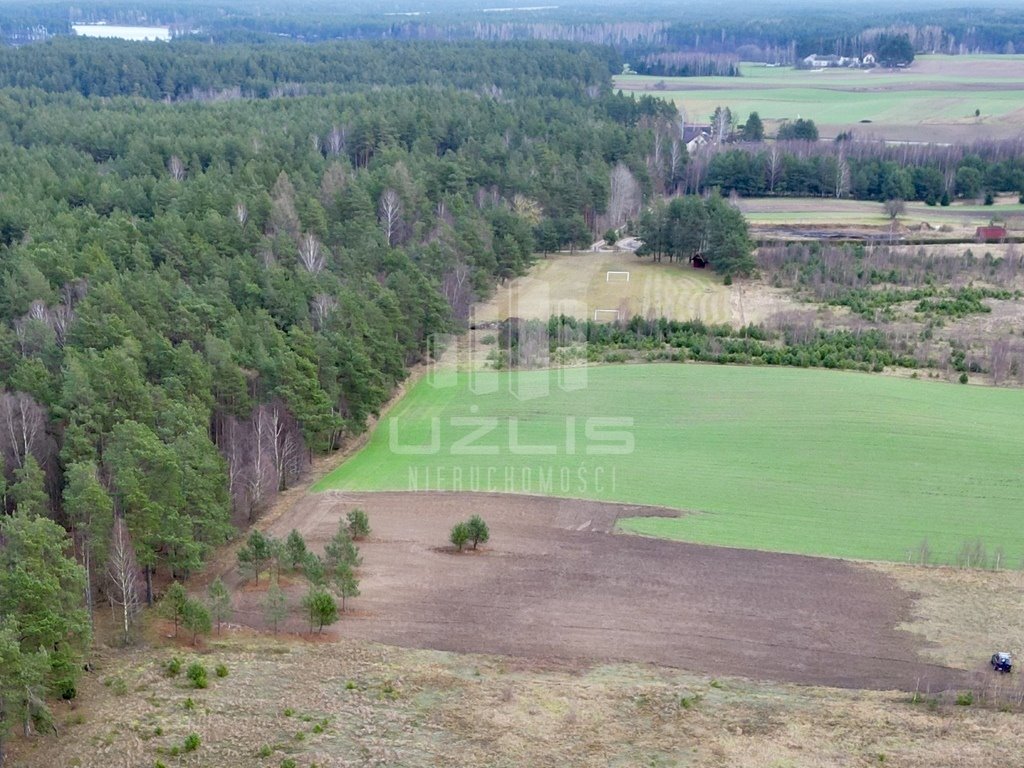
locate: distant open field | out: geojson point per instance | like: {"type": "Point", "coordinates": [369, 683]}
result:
{"type": "Point", "coordinates": [577, 284]}
{"type": "Point", "coordinates": [804, 461]}
{"type": "Point", "coordinates": [933, 100]}
{"type": "Point", "coordinates": [957, 221]}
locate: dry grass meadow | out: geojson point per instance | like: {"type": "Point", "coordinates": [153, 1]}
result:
{"type": "Point", "coordinates": [577, 284]}
{"type": "Point", "coordinates": [349, 703]}
{"type": "Point", "coordinates": [960, 611]}
{"type": "Point", "coordinates": [811, 218]}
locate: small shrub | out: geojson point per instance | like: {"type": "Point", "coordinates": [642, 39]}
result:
{"type": "Point", "coordinates": [173, 667]}
{"type": "Point", "coordinates": [221, 670]}
{"type": "Point", "coordinates": [963, 378]}
{"type": "Point", "coordinates": [320, 727]}
{"type": "Point", "coordinates": [490, 338]}
{"type": "Point", "coordinates": [174, 751]}
{"type": "Point", "coordinates": [288, 763]}
{"type": "Point", "coordinates": [189, 704]}
{"type": "Point", "coordinates": [288, 711]}
{"type": "Point", "coordinates": [964, 699]}
{"type": "Point", "coordinates": [197, 674]}
{"type": "Point", "coordinates": [159, 764]}
{"type": "Point", "coordinates": [727, 280]}
{"type": "Point", "coordinates": [350, 685]}
{"type": "Point", "coordinates": [158, 731]}
{"type": "Point", "coordinates": [689, 702]}
{"type": "Point", "coordinates": [119, 686]}
{"type": "Point", "coordinates": [716, 684]}
{"type": "Point", "coordinates": [300, 736]}
{"type": "Point", "coordinates": [192, 742]}
{"type": "Point", "coordinates": [264, 751]}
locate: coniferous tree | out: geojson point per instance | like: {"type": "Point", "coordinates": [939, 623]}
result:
{"type": "Point", "coordinates": [275, 605]}
{"type": "Point", "coordinates": [219, 600]}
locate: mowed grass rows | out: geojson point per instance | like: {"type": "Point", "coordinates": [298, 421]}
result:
{"type": "Point", "coordinates": [803, 461]}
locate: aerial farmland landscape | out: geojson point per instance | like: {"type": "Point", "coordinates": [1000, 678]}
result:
{"type": "Point", "coordinates": [439, 384]}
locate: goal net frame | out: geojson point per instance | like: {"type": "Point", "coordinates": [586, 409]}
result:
{"type": "Point", "coordinates": [609, 273]}
{"type": "Point", "coordinates": [597, 311]}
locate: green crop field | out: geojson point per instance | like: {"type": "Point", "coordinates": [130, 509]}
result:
{"type": "Point", "coordinates": [934, 99]}
{"type": "Point", "coordinates": [805, 461]}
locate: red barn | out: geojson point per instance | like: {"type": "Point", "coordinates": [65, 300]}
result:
{"type": "Point", "coordinates": [990, 234]}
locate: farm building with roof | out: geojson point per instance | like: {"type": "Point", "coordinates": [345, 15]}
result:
{"type": "Point", "coordinates": [991, 234]}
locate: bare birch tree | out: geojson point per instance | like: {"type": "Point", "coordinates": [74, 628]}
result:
{"type": "Point", "coordinates": [311, 254]}
{"type": "Point", "coordinates": [176, 168]}
{"type": "Point", "coordinates": [625, 196]}
{"type": "Point", "coordinates": [774, 167]}
{"type": "Point", "coordinates": [458, 290]}
{"type": "Point", "coordinates": [321, 307]}
{"type": "Point", "coordinates": [337, 140]}
{"type": "Point", "coordinates": [842, 176]}
{"type": "Point", "coordinates": [262, 480]}
{"type": "Point", "coordinates": [61, 318]}
{"type": "Point", "coordinates": [389, 213]}
{"type": "Point", "coordinates": [241, 214]}
{"type": "Point", "coordinates": [123, 572]}
{"type": "Point", "coordinates": [284, 219]}
{"type": "Point", "coordinates": [23, 425]}
{"type": "Point", "coordinates": [675, 164]}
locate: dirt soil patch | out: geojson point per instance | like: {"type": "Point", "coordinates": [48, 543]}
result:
{"type": "Point", "coordinates": [555, 585]}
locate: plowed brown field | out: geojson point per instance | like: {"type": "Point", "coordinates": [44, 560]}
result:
{"type": "Point", "coordinates": [555, 585]}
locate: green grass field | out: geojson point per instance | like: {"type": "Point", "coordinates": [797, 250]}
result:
{"type": "Point", "coordinates": [933, 98]}
{"type": "Point", "coordinates": [805, 461]}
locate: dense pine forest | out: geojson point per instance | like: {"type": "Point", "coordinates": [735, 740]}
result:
{"type": "Point", "coordinates": [200, 294]}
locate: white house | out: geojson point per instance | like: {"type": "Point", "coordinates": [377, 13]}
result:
{"type": "Point", "coordinates": [816, 61]}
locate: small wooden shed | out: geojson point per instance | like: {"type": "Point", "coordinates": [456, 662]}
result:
{"type": "Point", "coordinates": [990, 234]}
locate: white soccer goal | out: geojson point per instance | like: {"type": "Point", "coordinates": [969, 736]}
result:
{"type": "Point", "coordinates": [616, 277]}
{"type": "Point", "coordinates": [606, 315]}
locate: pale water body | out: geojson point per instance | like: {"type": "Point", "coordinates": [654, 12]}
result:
{"type": "Point", "coordinates": [122, 33]}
